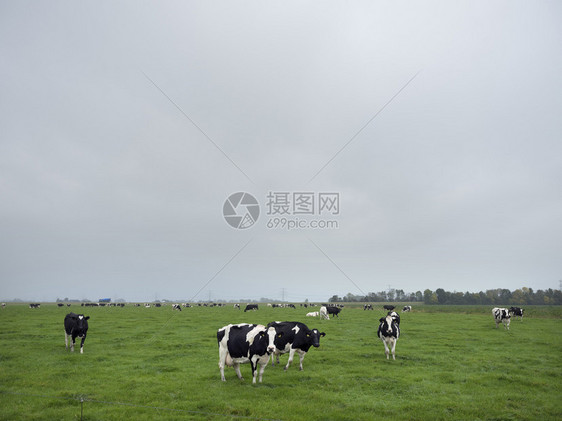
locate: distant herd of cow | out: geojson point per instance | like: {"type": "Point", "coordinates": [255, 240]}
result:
{"type": "Point", "coordinates": [255, 343]}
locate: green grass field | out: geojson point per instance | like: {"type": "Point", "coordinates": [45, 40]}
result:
{"type": "Point", "coordinates": [451, 364]}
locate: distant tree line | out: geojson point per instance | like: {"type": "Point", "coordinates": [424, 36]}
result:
{"type": "Point", "coordinates": [522, 296]}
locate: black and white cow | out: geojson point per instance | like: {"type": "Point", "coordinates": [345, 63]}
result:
{"type": "Point", "coordinates": [294, 337]}
{"type": "Point", "coordinates": [501, 315]}
{"type": "Point", "coordinates": [407, 308]}
{"type": "Point", "coordinates": [517, 312]}
{"type": "Point", "coordinates": [245, 343]}
{"type": "Point", "coordinates": [251, 307]}
{"type": "Point", "coordinates": [34, 305]}
{"type": "Point", "coordinates": [395, 316]}
{"type": "Point", "coordinates": [75, 326]}
{"type": "Point", "coordinates": [176, 307]}
{"type": "Point", "coordinates": [389, 307]}
{"type": "Point", "coordinates": [325, 311]}
{"type": "Point", "coordinates": [367, 307]}
{"type": "Point", "coordinates": [389, 332]}
{"type": "Point", "coordinates": [237, 306]}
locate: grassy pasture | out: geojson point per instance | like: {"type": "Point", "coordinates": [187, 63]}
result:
{"type": "Point", "coordinates": [451, 364]}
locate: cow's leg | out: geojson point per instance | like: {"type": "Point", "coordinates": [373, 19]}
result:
{"type": "Point", "coordinates": [254, 371]}
{"type": "Point", "coordinates": [386, 350]}
{"type": "Point", "coordinates": [73, 342]}
{"type": "Point", "coordinates": [221, 369]}
{"type": "Point", "coordinates": [262, 369]}
{"type": "Point", "coordinates": [291, 355]}
{"type": "Point", "coordinates": [65, 340]}
{"type": "Point", "coordinates": [222, 361]}
{"type": "Point", "coordinates": [393, 342]}
{"type": "Point", "coordinates": [301, 355]}
{"type": "Point", "coordinates": [82, 344]}
{"type": "Point", "coordinates": [237, 370]}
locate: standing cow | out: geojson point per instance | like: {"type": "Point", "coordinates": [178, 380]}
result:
{"type": "Point", "coordinates": [294, 337]}
{"type": "Point", "coordinates": [406, 308]}
{"type": "Point", "coordinates": [501, 315]}
{"type": "Point", "coordinates": [517, 312]}
{"type": "Point", "coordinates": [251, 307]}
{"type": "Point", "coordinates": [75, 326]}
{"type": "Point", "coordinates": [245, 343]}
{"type": "Point", "coordinates": [325, 312]}
{"type": "Point", "coordinates": [389, 332]}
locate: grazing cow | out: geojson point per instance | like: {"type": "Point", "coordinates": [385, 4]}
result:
{"type": "Point", "coordinates": [34, 305]}
{"type": "Point", "coordinates": [312, 314]}
{"type": "Point", "coordinates": [251, 307]}
{"type": "Point", "coordinates": [367, 307]}
{"type": "Point", "coordinates": [237, 306]}
{"type": "Point", "coordinates": [60, 304]}
{"type": "Point", "coordinates": [388, 307]}
{"type": "Point", "coordinates": [324, 313]}
{"type": "Point", "coordinates": [407, 308]}
{"type": "Point", "coordinates": [176, 307]}
{"type": "Point", "coordinates": [245, 343]}
{"type": "Point", "coordinates": [501, 315]}
{"type": "Point", "coordinates": [293, 337]}
{"type": "Point", "coordinates": [516, 311]}
{"type": "Point", "coordinates": [75, 325]}
{"type": "Point", "coordinates": [389, 332]}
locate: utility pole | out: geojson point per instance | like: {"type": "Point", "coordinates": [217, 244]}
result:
{"type": "Point", "coordinates": [282, 294]}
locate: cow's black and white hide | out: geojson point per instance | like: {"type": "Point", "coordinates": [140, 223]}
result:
{"type": "Point", "coordinates": [395, 316]}
{"type": "Point", "coordinates": [517, 312]}
{"type": "Point", "coordinates": [389, 332]}
{"type": "Point", "coordinates": [294, 337]}
{"type": "Point", "coordinates": [75, 326]}
{"type": "Point", "coordinates": [245, 343]}
{"type": "Point", "coordinates": [501, 315]}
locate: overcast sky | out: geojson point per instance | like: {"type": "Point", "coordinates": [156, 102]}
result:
{"type": "Point", "coordinates": [125, 126]}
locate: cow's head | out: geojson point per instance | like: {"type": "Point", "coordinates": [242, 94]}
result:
{"type": "Point", "coordinates": [314, 336]}
{"type": "Point", "coordinates": [271, 334]}
{"type": "Point", "coordinates": [386, 323]}
{"type": "Point", "coordinates": [81, 322]}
